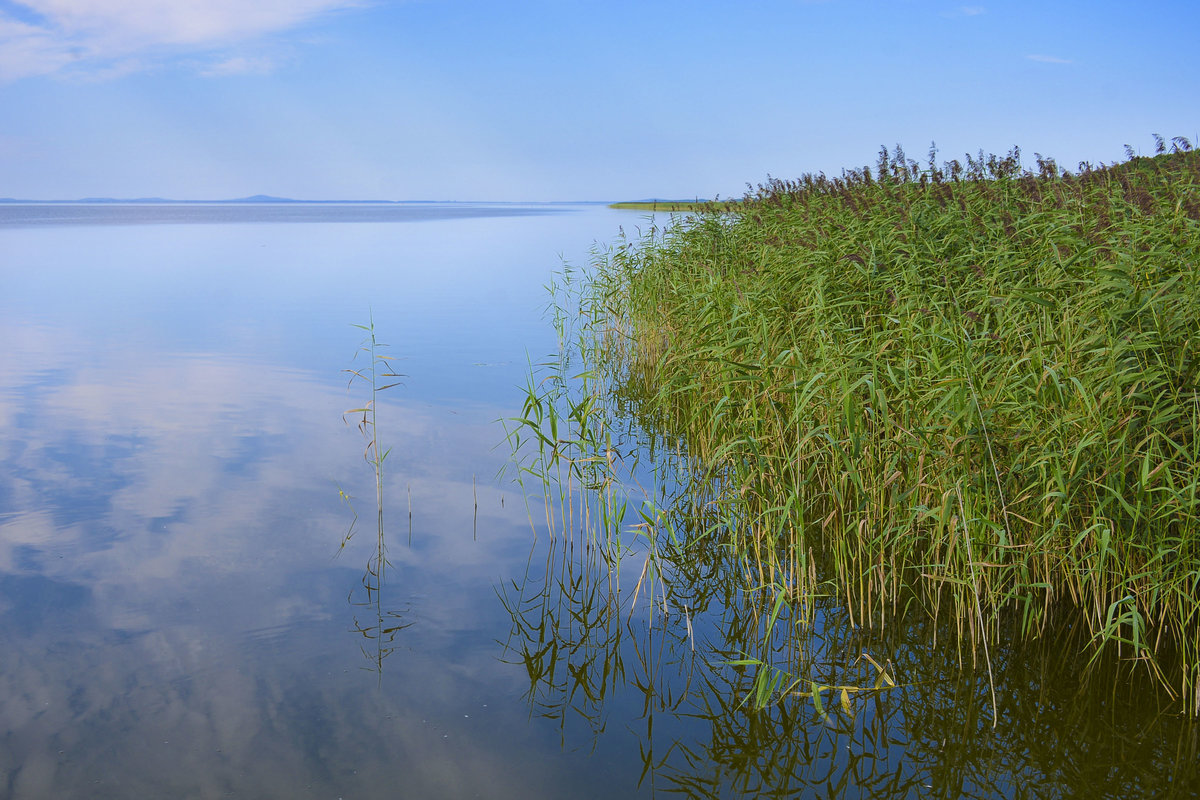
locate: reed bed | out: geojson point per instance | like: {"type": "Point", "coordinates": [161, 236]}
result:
{"type": "Point", "coordinates": [967, 389]}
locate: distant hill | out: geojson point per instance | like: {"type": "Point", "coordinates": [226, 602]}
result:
{"type": "Point", "coordinates": [263, 198]}
{"type": "Point", "coordinates": [257, 198]}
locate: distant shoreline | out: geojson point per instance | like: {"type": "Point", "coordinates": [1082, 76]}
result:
{"type": "Point", "coordinates": [662, 205]}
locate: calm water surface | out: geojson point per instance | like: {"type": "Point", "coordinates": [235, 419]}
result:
{"type": "Point", "coordinates": [177, 619]}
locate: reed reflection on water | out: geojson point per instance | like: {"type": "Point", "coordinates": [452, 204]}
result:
{"type": "Point", "coordinates": [592, 653]}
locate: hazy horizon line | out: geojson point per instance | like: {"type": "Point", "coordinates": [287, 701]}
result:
{"type": "Point", "coordinates": [270, 199]}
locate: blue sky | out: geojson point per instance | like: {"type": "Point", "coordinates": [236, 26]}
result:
{"type": "Point", "coordinates": [564, 99]}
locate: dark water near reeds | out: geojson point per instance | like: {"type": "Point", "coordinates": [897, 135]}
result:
{"type": "Point", "coordinates": [174, 621]}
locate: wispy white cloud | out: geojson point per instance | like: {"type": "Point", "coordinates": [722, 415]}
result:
{"type": "Point", "coordinates": [1049, 59]}
{"type": "Point", "coordinates": [51, 36]}
{"type": "Point", "coordinates": [30, 50]}
{"type": "Point", "coordinates": [239, 65]}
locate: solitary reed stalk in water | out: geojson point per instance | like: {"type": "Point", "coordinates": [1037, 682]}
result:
{"type": "Point", "coordinates": [386, 624]}
{"type": "Point", "coordinates": [378, 367]}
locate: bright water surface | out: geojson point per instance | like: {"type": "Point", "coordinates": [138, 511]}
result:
{"type": "Point", "coordinates": [174, 621]}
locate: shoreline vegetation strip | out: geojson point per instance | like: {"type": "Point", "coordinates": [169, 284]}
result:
{"type": "Point", "coordinates": [965, 389]}
{"type": "Point", "coordinates": [663, 205]}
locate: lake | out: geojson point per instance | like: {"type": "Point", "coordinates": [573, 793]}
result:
{"type": "Point", "coordinates": [180, 618]}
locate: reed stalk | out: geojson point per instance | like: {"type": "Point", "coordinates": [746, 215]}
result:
{"type": "Point", "coordinates": [383, 628]}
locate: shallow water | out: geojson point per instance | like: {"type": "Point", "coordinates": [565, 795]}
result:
{"type": "Point", "coordinates": [177, 620]}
